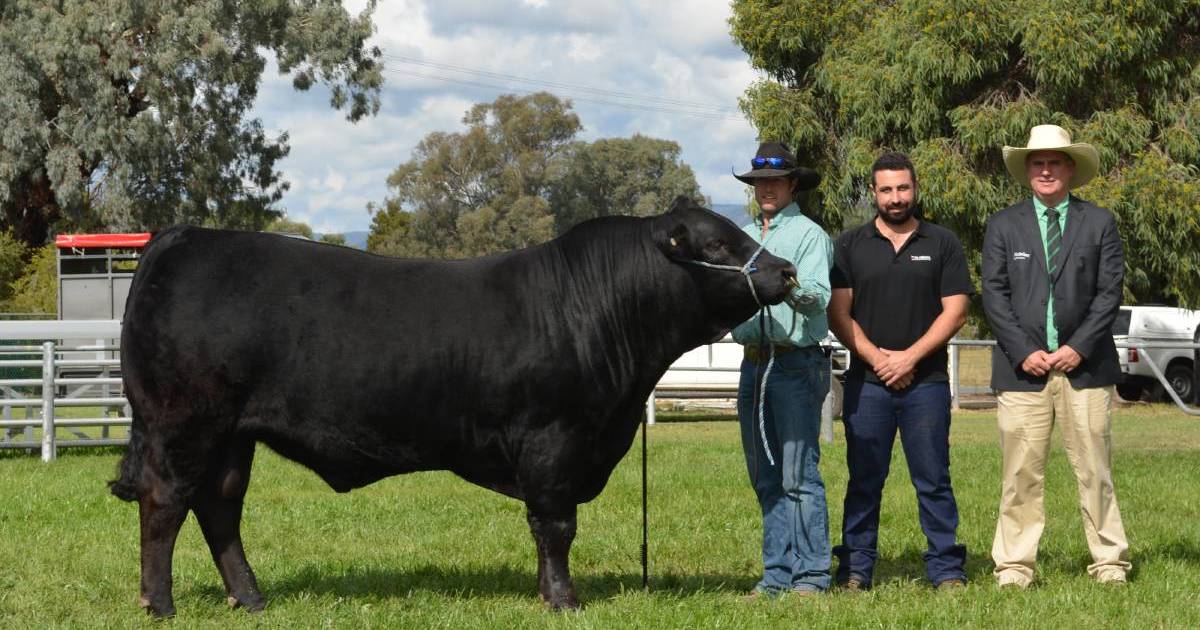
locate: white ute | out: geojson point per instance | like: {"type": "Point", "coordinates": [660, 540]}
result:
{"type": "Point", "coordinates": [1150, 324]}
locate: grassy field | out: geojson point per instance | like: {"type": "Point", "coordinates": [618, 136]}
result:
{"type": "Point", "coordinates": [431, 551]}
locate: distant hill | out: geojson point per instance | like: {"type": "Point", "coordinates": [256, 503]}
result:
{"type": "Point", "coordinates": [356, 239]}
{"type": "Point", "coordinates": [736, 212]}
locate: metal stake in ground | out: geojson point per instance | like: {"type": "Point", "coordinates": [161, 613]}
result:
{"type": "Point", "coordinates": [645, 528]}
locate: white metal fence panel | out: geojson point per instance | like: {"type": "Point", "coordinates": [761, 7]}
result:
{"type": "Point", "coordinates": [55, 394]}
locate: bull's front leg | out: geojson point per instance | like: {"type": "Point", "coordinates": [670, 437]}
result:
{"type": "Point", "coordinates": [554, 531]}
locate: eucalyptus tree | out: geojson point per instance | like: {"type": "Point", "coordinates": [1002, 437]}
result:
{"type": "Point", "coordinates": [480, 190]}
{"type": "Point", "coordinates": [635, 176]}
{"type": "Point", "coordinates": [515, 177]}
{"type": "Point", "coordinates": [12, 263]}
{"type": "Point", "coordinates": [135, 113]}
{"type": "Point", "coordinates": [952, 81]}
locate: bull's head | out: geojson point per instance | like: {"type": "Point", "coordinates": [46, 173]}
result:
{"type": "Point", "coordinates": [716, 252]}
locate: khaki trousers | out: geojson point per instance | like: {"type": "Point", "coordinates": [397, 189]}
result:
{"type": "Point", "coordinates": [1026, 421]}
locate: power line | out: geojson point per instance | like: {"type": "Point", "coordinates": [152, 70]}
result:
{"type": "Point", "coordinates": [558, 84]}
{"type": "Point", "coordinates": [635, 101]}
{"type": "Point", "coordinates": [637, 106]}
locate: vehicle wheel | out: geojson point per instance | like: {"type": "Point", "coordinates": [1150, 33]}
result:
{"type": "Point", "coordinates": [1131, 392]}
{"type": "Point", "coordinates": [1180, 378]}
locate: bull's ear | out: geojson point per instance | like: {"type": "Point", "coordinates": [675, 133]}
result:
{"type": "Point", "coordinates": [681, 202]}
{"type": "Point", "coordinates": [672, 239]}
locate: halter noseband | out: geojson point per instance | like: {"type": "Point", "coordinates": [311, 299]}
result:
{"type": "Point", "coordinates": [745, 270]}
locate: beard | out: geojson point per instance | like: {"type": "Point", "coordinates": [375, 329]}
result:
{"type": "Point", "coordinates": [891, 217]}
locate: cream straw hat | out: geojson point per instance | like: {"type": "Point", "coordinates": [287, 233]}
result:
{"type": "Point", "coordinates": [1054, 138]}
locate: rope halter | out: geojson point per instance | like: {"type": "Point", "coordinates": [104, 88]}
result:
{"type": "Point", "coordinates": [745, 269]}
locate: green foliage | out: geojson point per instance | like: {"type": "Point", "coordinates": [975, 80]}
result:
{"type": "Point", "coordinates": [514, 178]}
{"type": "Point", "coordinates": [506, 158]}
{"type": "Point", "coordinates": [391, 229]}
{"type": "Point", "coordinates": [135, 114]}
{"type": "Point", "coordinates": [284, 225]}
{"type": "Point", "coordinates": [36, 290]}
{"type": "Point", "coordinates": [334, 239]}
{"type": "Point", "coordinates": [952, 81]}
{"type": "Point", "coordinates": [12, 263]}
{"type": "Point", "coordinates": [637, 176]}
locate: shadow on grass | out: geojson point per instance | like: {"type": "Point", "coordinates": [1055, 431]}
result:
{"type": "Point", "coordinates": [500, 581]}
{"type": "Point", "coordinates": [910, 567]}
{"type": "Point", "coordinates": [1179, 549]}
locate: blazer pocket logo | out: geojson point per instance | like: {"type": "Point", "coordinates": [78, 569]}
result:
{"type": "Point", "coordinates": [1020, 255]}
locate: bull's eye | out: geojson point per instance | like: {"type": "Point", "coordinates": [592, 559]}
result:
{"type": "Point", "coordinates": [717, 251]}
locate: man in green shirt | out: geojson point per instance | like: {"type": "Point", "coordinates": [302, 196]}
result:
{"type": "Point", "coordinates": [784, 379]}
{"type": "Point", "coordinates": [1053, 268]}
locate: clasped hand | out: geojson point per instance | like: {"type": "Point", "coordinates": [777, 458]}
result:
{"type": "Point", "coordinates": [895, 368]}
{"type": "Point", "coordinates": [1040, 362]}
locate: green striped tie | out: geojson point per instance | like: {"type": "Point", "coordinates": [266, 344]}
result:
{"type": "Point", "coordinates": [1053, 242]}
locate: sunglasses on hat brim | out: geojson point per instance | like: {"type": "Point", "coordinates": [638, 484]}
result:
{"type": "Point", "coordinates": [773, 162]}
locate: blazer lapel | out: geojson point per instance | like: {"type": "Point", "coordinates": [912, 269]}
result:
{"type": "Point", "coordinates": [1076, 216]}
{"type": "Point", "coordinates": [1031, 236]}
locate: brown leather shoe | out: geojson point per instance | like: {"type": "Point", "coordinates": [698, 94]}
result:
{"type": "Point", "coordinates": [953, 584]}
{"type": "Point", "coordinates": [855, 585]}
{"type": "Point", "coordinates": [1112, 577]}
{"type": "Point", "coordinates": [1011, 580]}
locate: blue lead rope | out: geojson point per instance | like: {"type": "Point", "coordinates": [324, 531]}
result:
{"type": "Point", "coordinates": [762, 385]}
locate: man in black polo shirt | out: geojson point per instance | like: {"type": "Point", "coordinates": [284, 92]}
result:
{"type": "Point", "coordinates": [900, 290]}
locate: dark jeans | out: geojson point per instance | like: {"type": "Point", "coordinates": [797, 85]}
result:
{"type": "Point", "coordinates": [873, 413]}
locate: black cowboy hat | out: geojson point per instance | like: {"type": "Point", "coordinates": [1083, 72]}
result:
{"type": "Point", "coordinates": [775, 160]}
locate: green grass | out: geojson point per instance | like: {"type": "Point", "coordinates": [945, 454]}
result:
{"type": "Point", "coordinates": [431, 551]}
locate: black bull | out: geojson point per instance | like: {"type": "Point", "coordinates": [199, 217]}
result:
{"type": "Point", "coordinates": [522, 372]}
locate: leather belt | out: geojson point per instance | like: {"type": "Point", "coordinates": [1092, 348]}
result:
{"type": "Point", "coordinates": [760, 355]}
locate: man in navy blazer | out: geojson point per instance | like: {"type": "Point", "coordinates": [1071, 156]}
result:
{"type": "Point", "coordinates": [1052, 283]}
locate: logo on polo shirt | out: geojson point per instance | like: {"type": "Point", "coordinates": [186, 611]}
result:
{"type": "Point", "coordinates": [1020, 255]}
{"type": "Point", "coordinates": [916, 258]}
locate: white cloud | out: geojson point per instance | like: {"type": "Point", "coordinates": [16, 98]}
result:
{"type": "Point", "coordinates": [634, 66]}
{"type": "Point", "coordinates": [583, 48]}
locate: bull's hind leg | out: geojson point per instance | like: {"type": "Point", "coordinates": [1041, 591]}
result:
{"type": "Point", "coordinates": [161, 512]}
{"type": "Point", "coordinates": [218, 508]}
{"type": "Point", "coordinates": [554, 531]}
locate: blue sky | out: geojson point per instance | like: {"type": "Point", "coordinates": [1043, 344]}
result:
{"type": "Point", "coordinates": [662, 68]}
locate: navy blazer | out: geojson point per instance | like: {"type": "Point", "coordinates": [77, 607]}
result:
{"type": "Point", "coordinates": [1087, 293]}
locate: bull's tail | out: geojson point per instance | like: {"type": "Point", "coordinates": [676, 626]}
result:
{"type": "Point", "coordinates": [129, 471]}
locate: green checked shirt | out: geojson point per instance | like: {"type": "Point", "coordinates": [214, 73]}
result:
{"type": "Point", "coordinates": [799, 321]}
{"type": "Point", "coordinates": [1043, 221]}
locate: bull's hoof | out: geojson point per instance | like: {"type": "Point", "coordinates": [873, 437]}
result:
{"type": "Point", "coordinates": [157, 609]}
{"type": "Point", "coordinates": [561, 603]}
{"type": "Point", "coordinates": [253, 603]}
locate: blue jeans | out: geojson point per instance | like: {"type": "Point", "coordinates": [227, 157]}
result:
{"type": "Point", "coordinates": [791, 493]}
{"type": "Point", "coordinates": [873, 413]}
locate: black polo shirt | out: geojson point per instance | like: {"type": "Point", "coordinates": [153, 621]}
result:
{"type": "Point", "coordinates": [897, 295]}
